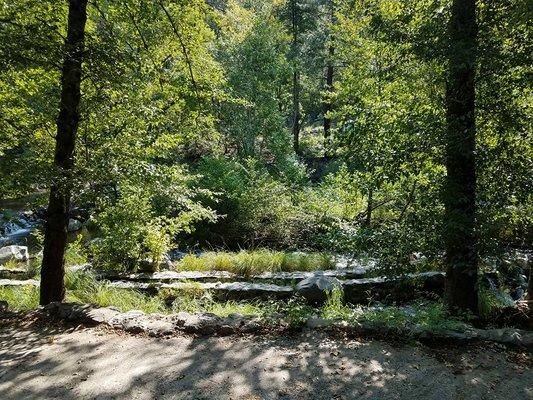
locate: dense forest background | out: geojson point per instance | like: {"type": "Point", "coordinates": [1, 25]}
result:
{"type": "Point", "coordinates": [288, 124]}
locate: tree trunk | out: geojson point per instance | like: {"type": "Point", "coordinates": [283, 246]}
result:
{"type": "Point", "coordinates": [460, 193]}
{"type": "Point", "coordinates": [369, 208]}
{"type": "Point", "coordinates": [296, 112]}
{"type": "Point", "coordinates": [327, 106]}
{"type": "Point", "coordinates": [55, 237]}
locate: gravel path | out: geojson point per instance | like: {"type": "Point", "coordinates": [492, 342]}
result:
{"type": "Point", "coordinates": [91, 363]}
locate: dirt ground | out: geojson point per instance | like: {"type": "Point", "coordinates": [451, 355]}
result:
{"type": "Point", "coordinates": [47, 362]}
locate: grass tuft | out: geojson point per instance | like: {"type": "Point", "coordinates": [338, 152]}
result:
{"type": "Point", "coordinates": [84, 288]}
{"type": "Point", "coordinates": [20, 298]}
{"type": "Point", "coordinates": [249, 263]}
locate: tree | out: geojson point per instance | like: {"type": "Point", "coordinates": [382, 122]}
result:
{"type": "Point", "coordinates": [460, 192]}
{"type": "Point", "coordinates": [327, 106]}
{"type": "Point", "coordinates": [55, 238]}
{"type": "Point", "coordinates": [300, 18]}
{"type": "Point", "coordinates": [296, 116]}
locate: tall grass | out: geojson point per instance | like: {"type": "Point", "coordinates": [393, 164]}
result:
{"type": "Point", "coordinates": [84, 288]}
{"type": "Point", "coordinates": [20, 298]}
{"type": "Point", "coordinates": [255, 262]}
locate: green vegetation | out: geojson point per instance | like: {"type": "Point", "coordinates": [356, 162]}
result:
{"type": "Point", "coordinates": [12, 264]}
{"type": "Point", "coordinates": [376, 128]}
{"type": "Point", "coordinates": [254, 262]}
{"type": "Point", "coordinates": [20, 298]}
{"type": "Point", "coordinates": [84, 289]}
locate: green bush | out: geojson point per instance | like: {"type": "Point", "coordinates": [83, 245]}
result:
{"type": "Point", "coordinates": [257, 206]}
{"type": "Point", "coordinates": [139, 227]}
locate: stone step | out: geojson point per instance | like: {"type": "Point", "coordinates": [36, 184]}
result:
{"type": "Point", "coordinates": [224, 276]}
{"type": "Point", "coordinates": [221, 290]}
{"type": "Point", "coordinates": [12, 273]}
{"type": "Point", "coordinates": [355, 290]}
{"type": "Point", "coordinates": [16, 282]}
{"type": "Point", "coordinates": [394, 288]}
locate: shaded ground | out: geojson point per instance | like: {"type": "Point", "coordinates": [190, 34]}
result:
{"type": "Point", "coordinates": [43, 362]}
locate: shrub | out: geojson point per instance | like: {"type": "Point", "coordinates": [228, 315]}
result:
{"type": "Point", "coordinates": [257, 207]}
{"type": "Point", "coordinates": [334, 307]}
{"type": "Point", "coordinates": [137, 227]}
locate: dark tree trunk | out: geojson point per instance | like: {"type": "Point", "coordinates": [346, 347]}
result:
{"type": "Point", "coordinates": [55, 237]}
{"type": "Point", "coordinates": [368, 217]}
{"type": "Point", "coordinates": [460, 193]}
{"type": "Point", "coordinates": [327, 106]}
{"type": "Point", "coordinates": [296, 112]}
{"type": "Point", "coordinates": [295, 78]}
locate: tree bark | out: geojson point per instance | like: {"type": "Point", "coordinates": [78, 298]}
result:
{"type": "Point", "coordinates": [369, 208]}
{"type": "Point", "coordinates": [460, 192]}
{"type": "Point", "coordinates": [295, 79]}
{"type": "Point", "coordinates": [296, 112]}
{"type": "Point", "coordinates": [55, 237]}
{"type": "Point", "coordinates": [327, 106]}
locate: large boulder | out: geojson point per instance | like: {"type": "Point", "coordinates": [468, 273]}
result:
{"type": "Point", "coordinates": [315, 289]}
{"type": "Point", "coordinates": [17, 253]}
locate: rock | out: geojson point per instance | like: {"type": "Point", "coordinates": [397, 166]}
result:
{"type": "Point", "coordinates": [17, 253]}
{"type": "Point", "coordinates": [395, 288]}
{"type": "Point", "coordinates": [318, 323]}
{"type": "Point", "coordinates": [103, 315]}
{"type": "Point", "coordinates": [179, 319]}
{"type": "Point", "coordinates": [238, 323]}
{"type": "Point", "coordinates": [70, 311]}
{"type": "Point", "coordinates": [315, 289]}
{"type": "Point", "coordinates": [247, 290]}
{"type": "Point", "coordinates": [149, 265]}
{"type": "Point", "coordinates": [127, 321]}
{"type": "Point", "coordinates": [515, 337]}
{"type": "Point", "coordinates": [80, 268]}
{"type": "Point", "coordinates": [156, 325]}
{"type": "Point", "coordinates": [14, 282]}
{"type": "Point", "coordinates": [203, 324]}
{"type": "Point", "coordinates": [74, 225]}
{"type": "Point", "coordinates": [232, 323]}
{"type": "Point", "coordinates": [12, 273]}
{"type": "Point", "coordinates": [169, 276]}
{"type": "Point", "coordinates": [233, 290]}
{"type": "Point", "coordinates": [347, 273]}
{"type": "Point", "coordinates": [286, 278]}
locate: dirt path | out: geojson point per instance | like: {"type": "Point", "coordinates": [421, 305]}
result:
{"type": "Point", "coordinates": [45, 363]}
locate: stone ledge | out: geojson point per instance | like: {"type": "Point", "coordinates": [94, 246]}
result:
{"type": "Point", "coordinates": [15, 282]}
{"type": "Point", "coordinates": [224, 276]}
{"type": "Point", "coordinates": [221, 290]}
{"type": "Point", "coordinates": [12, 273]}
{"type": "Point", "coordinates": [210, 324]}
{"type": "Point", "coordinates": [135, 321]}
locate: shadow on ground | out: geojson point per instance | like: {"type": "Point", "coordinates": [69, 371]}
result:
{"type": "Point", "coordinates": [40, 362]}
